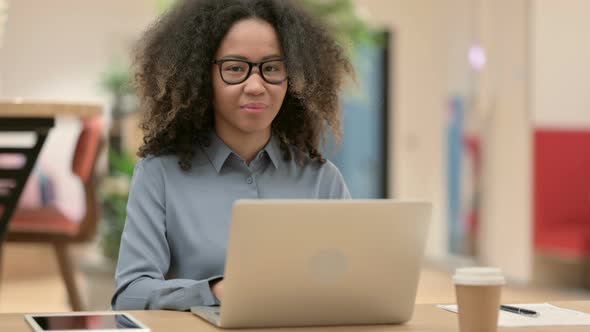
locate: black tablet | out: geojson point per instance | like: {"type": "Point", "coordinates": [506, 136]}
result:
{"type": "Point", "coordinates": [74, 322]}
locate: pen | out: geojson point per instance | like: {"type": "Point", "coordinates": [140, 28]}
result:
{"type": "Point", "coordinates": [519, 311]}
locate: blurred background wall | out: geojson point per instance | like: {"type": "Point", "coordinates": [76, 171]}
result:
{"type": "Point", "coordinates": [560, 63]}
{"type": "Point", "coordinates": [58, 49]}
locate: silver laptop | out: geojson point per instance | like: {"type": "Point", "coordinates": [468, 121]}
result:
{"type": "Point", "coordinates": [321, 262]}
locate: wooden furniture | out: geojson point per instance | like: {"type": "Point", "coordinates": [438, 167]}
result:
{"type": "Point", "coordinates": [36, 110]}
{"type": "Point", "coordinates": [32, 117]}
{"type": "Point", "coordinates": [47, 224]}
{"type": "Point", "coordinates": [13, 180]}
{"type": "Point", "coordinates": [427, 318]}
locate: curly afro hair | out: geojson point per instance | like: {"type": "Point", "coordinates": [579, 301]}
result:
{"type": "Point", "coordinates": [173, 66]}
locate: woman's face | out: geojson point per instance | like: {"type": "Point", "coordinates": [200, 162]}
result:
{"type": "Point", "coordinates": [247, 108]}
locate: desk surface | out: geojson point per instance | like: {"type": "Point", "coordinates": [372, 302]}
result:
{"type": "Point", "coordinates": [427, 318]}
{"type": "Point", "coordinates": [12, 109]}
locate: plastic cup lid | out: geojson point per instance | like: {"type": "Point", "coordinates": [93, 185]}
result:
{"type": "Point", "coordinates": [479, 276]}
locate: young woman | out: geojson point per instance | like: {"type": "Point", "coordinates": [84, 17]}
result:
{"type": "Point", "coordinates": [237, 95]}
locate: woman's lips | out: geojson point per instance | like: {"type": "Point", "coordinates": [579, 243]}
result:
{"type": "Point", "coordinates": [254, 107]}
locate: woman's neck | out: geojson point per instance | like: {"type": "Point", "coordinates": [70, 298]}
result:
{"type": "Point", "coordinates": [245, 145]}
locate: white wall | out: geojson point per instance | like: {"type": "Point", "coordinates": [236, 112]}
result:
{"type": "Point", "coordinates": [58, 49]}
{"type": "Point", "coordinates": [561, 63]}
{"type": "Point", "coordinates": [504, 99]}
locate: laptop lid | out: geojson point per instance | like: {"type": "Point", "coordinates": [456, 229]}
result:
{"type": "Point", "coordinates": [323, 262]}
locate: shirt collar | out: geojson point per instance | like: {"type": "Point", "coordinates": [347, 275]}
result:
{"type": "Point", "coordinates": [218, 152]}
{"type": "Point", "coordinates": [273, 149]}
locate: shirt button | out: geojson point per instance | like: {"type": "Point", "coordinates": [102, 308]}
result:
{"type": "Point", "coordinates": [249, 180]}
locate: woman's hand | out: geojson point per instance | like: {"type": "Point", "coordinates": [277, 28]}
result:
{"type": "Point", "coordinates": [217, 289]}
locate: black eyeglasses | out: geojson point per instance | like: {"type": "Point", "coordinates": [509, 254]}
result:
{"type": "Point", "coordinates": [235, 71]}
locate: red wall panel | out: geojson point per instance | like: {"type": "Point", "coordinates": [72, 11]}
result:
{"type": "Point", "coordinates": [562, 191]}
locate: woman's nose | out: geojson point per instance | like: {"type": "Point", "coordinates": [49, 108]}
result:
{"type": "Point", "coordinates": [254, 83]}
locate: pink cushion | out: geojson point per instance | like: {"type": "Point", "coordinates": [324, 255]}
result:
{"type": "Point", "coordinates": [36, 193]}
{"type": "Point", "coordinates": [31, 195]}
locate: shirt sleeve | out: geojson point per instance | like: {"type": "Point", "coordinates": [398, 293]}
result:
{"type": "Point", "coordinates": [333, 185]}
{"type": "Point", "coordinates": [144, 256]}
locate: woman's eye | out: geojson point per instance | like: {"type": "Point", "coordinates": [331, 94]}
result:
{"type": "Point", "coordinates": [234, 68]}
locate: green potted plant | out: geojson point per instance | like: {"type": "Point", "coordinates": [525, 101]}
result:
{"type": "Point", "coordinates": [99, 267]}
{"type": "Point", "coordinates": [114, 194]}
{"type": "Point", "coordinates": [346, 21]}
{"type": "Point", "coordinates": [114, 189]}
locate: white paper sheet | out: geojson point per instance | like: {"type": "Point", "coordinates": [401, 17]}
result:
{"type": "Point", "coordinates": [549, 315]}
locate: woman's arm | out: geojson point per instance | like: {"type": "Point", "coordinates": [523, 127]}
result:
{"type": "Point", "coordinates": [144, 257]}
